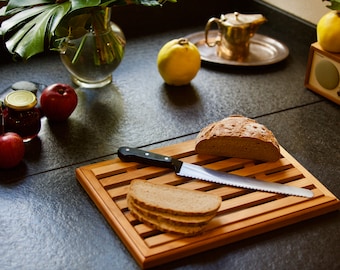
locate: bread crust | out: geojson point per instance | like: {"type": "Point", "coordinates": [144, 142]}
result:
{"type": "Point", "coordinates": [238, 136]}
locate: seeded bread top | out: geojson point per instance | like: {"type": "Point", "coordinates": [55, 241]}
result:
{"type": "Point", "coordinates": [238, 136]}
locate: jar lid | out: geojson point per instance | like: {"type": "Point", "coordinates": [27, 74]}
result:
{"type": "Point", "coordinates": [25, 85]}
{"type": "Point", "coordinates": [21, 100]}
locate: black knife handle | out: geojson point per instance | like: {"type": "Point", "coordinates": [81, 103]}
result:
{"type": "Point", "coordinates": [129, 154]}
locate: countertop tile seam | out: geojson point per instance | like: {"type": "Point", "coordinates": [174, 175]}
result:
{"type": "Point", "coordinates": [289, 109]}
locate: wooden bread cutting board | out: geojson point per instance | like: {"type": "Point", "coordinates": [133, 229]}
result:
{"type": "Point", "coordinates": [243, 213]}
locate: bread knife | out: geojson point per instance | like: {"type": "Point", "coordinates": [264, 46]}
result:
{"type": "Point", "coordinates": [129, 154]}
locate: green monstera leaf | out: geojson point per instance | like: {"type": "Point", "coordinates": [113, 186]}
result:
{"type": "Point", "coordinates": [32, 24]}
{"type": "Point", "coordinates": [30, 38]}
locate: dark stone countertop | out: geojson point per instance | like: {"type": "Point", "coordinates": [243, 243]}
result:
{"type": "Point", "coordinates": [48, 221]}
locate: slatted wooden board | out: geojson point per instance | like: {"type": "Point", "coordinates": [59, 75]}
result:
{"type": "Point", "coordinates": [243, 213]}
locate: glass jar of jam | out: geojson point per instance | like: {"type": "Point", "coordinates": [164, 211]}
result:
{"type": "Point", "coordinates": [21, 115]}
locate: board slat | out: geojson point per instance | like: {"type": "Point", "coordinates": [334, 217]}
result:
{"type": "Point", "coordinates": [243, 213]}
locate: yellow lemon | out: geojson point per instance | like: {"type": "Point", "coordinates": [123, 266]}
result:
{"type": "Point", "coordinates": [178, 62]}
{"type": "Point", "coordinates": [328, 31]}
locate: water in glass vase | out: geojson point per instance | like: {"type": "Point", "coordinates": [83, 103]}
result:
{"type": "Point", "coordinates": [92, 57]}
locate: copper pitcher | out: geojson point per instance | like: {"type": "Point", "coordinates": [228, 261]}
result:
{"type": "Point", "coordinates": [234, 33]}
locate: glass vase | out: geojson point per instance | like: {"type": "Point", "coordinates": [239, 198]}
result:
{"type": "Point", "coordinates": [93, 48]}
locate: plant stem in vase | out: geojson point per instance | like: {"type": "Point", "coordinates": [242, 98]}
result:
{"type": "Point", "coordinates": [93, 49]}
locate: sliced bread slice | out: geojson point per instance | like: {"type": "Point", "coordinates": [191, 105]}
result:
{"type": "Point", "coordinates": [172, 199]}
{"type": "Point", "coordinates": [163, 217]}
{"type": "Point", "coordinates": [186, 230]}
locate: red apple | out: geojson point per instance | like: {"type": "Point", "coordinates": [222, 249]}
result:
{"type": "Point", "coordinates": [12, 150]}
{"type": "Point", "coordinates": [58, 101]}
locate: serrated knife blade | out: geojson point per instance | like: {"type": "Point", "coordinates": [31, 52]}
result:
{"type": "Point", "coordinates": [130, 154]}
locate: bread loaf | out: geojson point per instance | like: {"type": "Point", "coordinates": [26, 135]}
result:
{"type": "Point", "coordinates": [171, 209]}
{"type": "Point", "coordinates": [238, 136]}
